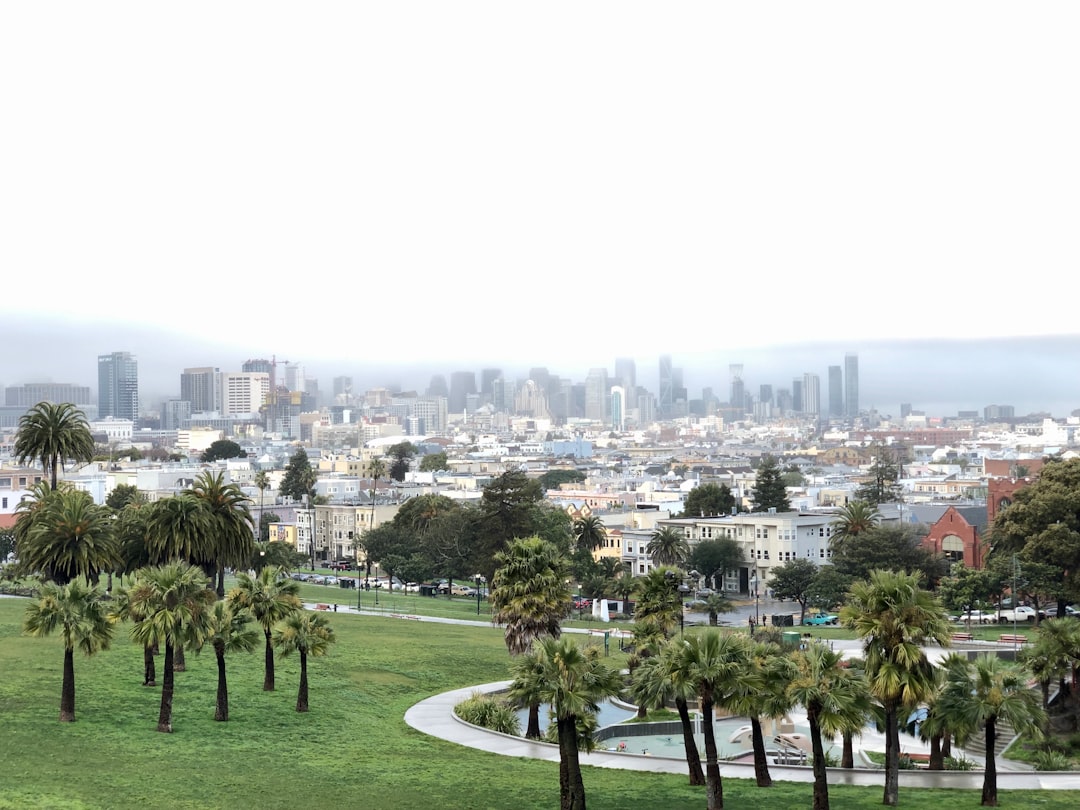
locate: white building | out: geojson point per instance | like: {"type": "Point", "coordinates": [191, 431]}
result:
{"type": "Point", "coordinates": [243, 392]}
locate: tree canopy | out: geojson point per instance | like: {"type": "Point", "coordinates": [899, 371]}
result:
{"type": "Point", "coordinates": [222, 449]}
{"type": "Point", "coordinates": [52, 435]}
{"type": "Point", "coordinates": [433, 462]}
{"type": "Point", "coordinates": [881, 485]}
{"type": "Point", "coordinates": [770, 492]}
{"type": "Point", "coordinates": [708, 500]}
{"type": "Point", "coordinates": [553, 478]}
{"type": "Point", "coordinates": [714, 558]}
{"type": "Point", "coordinates": [299, 479]}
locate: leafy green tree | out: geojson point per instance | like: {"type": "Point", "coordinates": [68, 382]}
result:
{"type": "Point", "coordinates": [508, 509]}
{"type": "Point", "coordinates": [891, 548]}
{"type": "Point", "coordinates": [69, 536]}
{"type": "Point", "coordinates": [123, 494]}
{"type": "Point", "coordinates": [222, 449]}
{"type": "Point", "coordinates": [232, 539]}
{"type": "Point", "coordinates": [984, 692]}
{"type": "Point", "coordinates": [78, 613]}
{"type": "Point", "coordinates": [433, 462]}
{"type": "Point", "coordinates": [668, 546]}
{"type": "Point", "coordinates": [1048, 658]}
{"type": "Point", "coordinates": [828, 589]}
{"type": "Point", "coordinates": [53, 435]}
{"type": "Point", "coordinates": [882, 484]}
{"type": "Point", "coordinates": [276, 555]}
{"type": "Point", "coordinates": [1060, 638]}
{"type": "Point", "coordinates": [123, 611]}
{"type": "Point", "coordinates": [262, 483]}
{"type": "Point", "coordinates": [553, 479]}
{"type": "Point", "coordinates": [269, 597]}
{"type": "Point", "coordinates": [590, 532]}
{"type": "Point", "coordinates": [299, 479]}
{"type": "Point", "coordinates": [966, 588]}
{"type": "Point", "coordinates": [307, 634]}
{"type": "Point", "coordinates": [895, 618]}
{"type": "Point", "coordinates": [226, 631]}
{"type": "Point", "coordinates": [400, 454]}
{"type": "Point", "coordinates": [713, 664]}
{"type": "Point", "coordinates": [390, 546]}
{"type": "Point", "coordinates": [793, 580]}
{"type": "Point", "coordinates": [173, 600]}
{"type": "Point", "coordinates": [7, 544]}
{"type": "Point", "coordinates": [769, 489]}
{"type": "Point", "coordinates": [573, 682]}
{"type": "Point", "coordinates": [530, 598]}
{"type": "Point", "coordinates": [266, 519]}
{"type": "Point", "coordinates": [715, 558]}
{"type": "Point", "coordinates": [708, 500]}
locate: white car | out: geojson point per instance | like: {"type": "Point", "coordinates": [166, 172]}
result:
{"type": "Point", "coordinates": [975, 617]}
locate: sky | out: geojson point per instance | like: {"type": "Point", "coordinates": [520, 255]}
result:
{"type": "Point", "coordinates": [355, 184]}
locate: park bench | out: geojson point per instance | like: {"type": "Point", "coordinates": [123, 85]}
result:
{"type": "Point", "coordinates": [322, 607]}
{"type": "Point", "coordinates": [1010, 638]}
{"type": "Point", "coordinates": [961, 637]}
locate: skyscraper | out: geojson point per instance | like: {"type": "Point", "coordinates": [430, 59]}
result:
{"type": "Point", "coordinates": [462, 384]}
{"type": "Point", "coordinates": [836, 391]}
{"type": "Point", "coordinates": [664, 400]}
{"type": "Point", "coordinates": [199, 386]}
{"type": "Point", "coordinates": [797, 396]}
{"type": "Point", "coordinates": [118, 386]}
{"type": "Point", "coordinates": [851, 385]}
{"type": "Point", "coordinates": [596, 395]}
{"type": "Point", "coordinates": [811, 394]}
{"type": "Point", "coordinates": [737, 402]}
{"type": "Point", "coordinates": [626, 374]}
{"type": "Point", "coordinates": [618, 408]}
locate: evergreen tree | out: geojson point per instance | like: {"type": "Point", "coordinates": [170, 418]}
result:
{"type": "Point", "coordinates": [770, 491]}
{"type": "Point", "coordinates": [882, 486]}
{"type": "Point", "coordinates": [299, 477]}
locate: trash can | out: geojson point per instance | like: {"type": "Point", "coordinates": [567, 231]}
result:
{"type": "Point", "coordinates": [790, 639]}
{"type": "Point", "coordinates": [783, 620]}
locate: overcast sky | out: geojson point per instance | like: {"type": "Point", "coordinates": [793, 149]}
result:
{"type": "Point", "coordinates": [560, 183]}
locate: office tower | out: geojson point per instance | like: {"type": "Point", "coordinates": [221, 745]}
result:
{"type": "Point", "coordinates": [784, 402]}
{"type": "Point", "coordinates": [597, 391]}
{"type": "Point", "coordinates": [294, 377]}
{"type": "Point", "coordinates": [431, 413]}
{"type": "Point", "coordinates": [118, 386]}
{"type": "Point", "coordinates": [27, 396]}
{"type": "Point", "coordinates": [487, 382]}
{"type": "Point", "coordinates": [252, 366]}
{"type": "Point", "coordinates": [199, 386]}
{"type": "Point", "coordinates": [531, 400]}
{"type": "Point", "coordinates": [994, 412]}
{"type": "Point", "coordinates": [618, 408]}
{"type": "Point", "coordinates": [626, 374]}
{"type": "Point", "coordinates": [462, 384]}
{"type": "Point", "coordinates": [342, 386]}
{"type": "Point", "coordinates": [796, 396]}
{"type": "Point", "coordinates": [175, 414]}
{"type": "Point", "coordinates": [541, 376]}
{"type": "Point", "coordinates": [666, 394]}
{"type": "Point", "coordinates": [836, 391]}
{"type": "Point", "coordinates": [905, 410]}
{"type": "Point", "coordinates": [560, 397]}
{"type": "Point", "coordinates": [851, 385]}
{"type": "Point", "coordinates": [244, 392]}
{"type": "Point", "coordinates": [811, 392]}
{"type": "Point", "coordinates": [737, 401]}
{"type": "Point", "coordinates": [678, 388]}
{"type": "Point", "coordinates": [502, 394]}
{"type": "Point", "coordinates": [438, 387]}
{"type": "Point", "coordinates": [765, 394]}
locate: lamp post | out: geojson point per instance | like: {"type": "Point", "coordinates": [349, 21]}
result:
{"type": "Point", "coordinates": [376, 584]}
{"type": "Point", "coordinates": [479, 582]}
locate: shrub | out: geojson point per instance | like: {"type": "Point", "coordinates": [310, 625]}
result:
{"type": "Point", "coordinates": [906, 764]}
{"type": "Point", "coordinates": [587, 726]}
{"type": "Point", "coordinates": [958, 764]}
{"type": "Point", "coordinates": [490, 712]}
{"type": "Point", "coordinates": [1051, 761]}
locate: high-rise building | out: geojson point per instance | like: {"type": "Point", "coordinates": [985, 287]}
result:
{"type": "Point", "coordinates": [265, 366]}
{"type": "Point", "coordinates": [487, 382]}
{"type": "Point", "coordinates": [851, 385]}
{"type": "Point", "coordinates": [836, 391]}
{"type": "Point", "coordinates": [626, 374]}
{"type": "Point", "coordinates": [342, 386]}
{"type": "Point", "coordinates": [462, 385]}
{"type": "Point", "coordinates": [244, 392]}
{"type": "Point", "coordinates": [118, 386]}
{"type": "Point", "coordinates": [199, 386]}
{"type": "Point", "coordinates": [737, 402]}
{"type": "Point", "coordinates": [431, 413]}
{"type": "Point", "coordinates": [597, 393]}
{"type": "Point", "coordinates": [666, 394]}
{"type": "Point", "coordinates": [175, 414]}
{"type": "Point", "coordinates": [765, 394]}
{"type": "Point", "coordinates": [811, 392]}
{"type": "Point", "coordinates": [618, 408]}
{"type": "Point", "coordinates": [27, 396]}
{"type": "Point", "coordinates": [438, 387]}
{"type": "Point", "coordinates": [797, 395]}
{"type": "Point", "coordinates": [294, 377]}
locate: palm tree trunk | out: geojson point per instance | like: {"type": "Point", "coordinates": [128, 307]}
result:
{"type": "Point", "coordinates": [533, 730]}
{"type": "Point", "coordinates": [571, 785]}
{"type": "Point", "coordinates": [761, 758]}
{"type": "Point", "coordinates": [989, 789]}
{"type": "Point", "coordinates": [946, 745]}
{"type": "Point", "coordinates": [221, 581]}
{"type": "Point", "coordinates": [268, 668]}
{"type": "Point", "coordinates": [179, 659]}
{"type": "Point", "coordinates": [149, 669]}
{"type": "Point", "coordinates": [937, 758]}
{"type": "Point", "coordinates": [693, 758]}
{"type": "Point", "coordinates": [302, 695]}
{"type": "Point", "coordinates": [221, 710]}
{"type": "Point", "coordinates": [714, 788]}
{"type": "Point", "coordinates": [67, 689]}
{"type": "Point", "coordinates": [164, 722]}
{"type": "Point", "coordinates": [892, 756]}
{"type": "Point", "coordinates": [847, 755]}
{"type": "Point", "coordinates": [821, 779]}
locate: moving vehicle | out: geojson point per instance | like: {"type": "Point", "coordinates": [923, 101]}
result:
{"type": "Point", "coordinates": [822, 618]}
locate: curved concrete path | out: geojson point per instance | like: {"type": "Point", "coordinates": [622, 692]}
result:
{"type": "Point", "coordinates": [435, 716]}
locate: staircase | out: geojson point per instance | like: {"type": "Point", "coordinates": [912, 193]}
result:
{"type": "Point", "coordinates": [976, 744]}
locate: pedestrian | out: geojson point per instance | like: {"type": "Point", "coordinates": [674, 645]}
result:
{"type": "Point", "coordinates": [750, 621]}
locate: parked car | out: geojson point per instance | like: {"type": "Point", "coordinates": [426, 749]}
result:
{"type": "Point", "coordinates": [1052, 612]}
{"type": "Point", "coordinates": [975, 617]}
{"type": "Point", "coordinates": [1021, 613]}
{"type": "Point", "coordinates": [822, 618]}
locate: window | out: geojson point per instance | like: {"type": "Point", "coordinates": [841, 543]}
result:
{"type": "Point", "coordinates": [5, 482]}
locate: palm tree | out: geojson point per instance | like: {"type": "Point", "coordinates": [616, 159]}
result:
{"type": "Point", "coordinates": [178, 528]}
{"type": "Point", "coordinates": [269, 597]}
{"type": "Point", "coordinates": [173, 599]}
{"type": "Point", "coordinates": [715, 604]}
{"type": "Point", "coordinates": [987, 690]}
{"type": "Point", "coordinates": [855, 518]}
{"type": "Point", "coordinates": [307, 634]}
{"type": "Point", "coordinates": [762, 693]}
{"type": "Point", "coordinates": [1046, 659]}
{"type": "Point", "coordinates": [227, 631]}
{"type": "Point", "coordinates": [78, 612]}
{"type": "Point", "coordinates": [574, 682]}
{"type": "Point", "coordinates": [936, 727]}
{"type": "Point", "coordinates": [712, 663]}
{"type": "Point", "coordinates": [377, 470]}
{"type": "Point", "coordinates": [122, 611]}
{"type": "Point", "coordinates": [262, 483]}
{"type": "Point", "coordinates": [668, 546]}
{"type": "Point", "coordinates": [530, 598]}
{"type": "Point", "coordinates": [590, 532]}
{"type": "Point", "coordinates": [895, 617]}
{"type": "Point", "coordinates": [659, 603]}
{"type": "Point", "coordinates": [53, 435]}
{"type": "Point", "coordinates": [232, 529]}
{"type": "Point", "coordinates": [820, 687]}
{"type": "Point", "coordinates": [69, 536]}
{"type": "Point", "coordinates": [1061, 639]}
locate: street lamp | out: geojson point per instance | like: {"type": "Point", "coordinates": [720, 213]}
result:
{"type": "Point", "coordinates": [376, 584]}
{"type": "Point", "coordinates": [479, 582]}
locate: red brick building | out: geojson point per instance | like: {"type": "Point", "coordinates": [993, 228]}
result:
{"type": "Point", "coordinates": [956, 539]}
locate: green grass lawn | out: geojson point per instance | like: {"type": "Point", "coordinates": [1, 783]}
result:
{"type": "Point", "coordinates": [353, 749]}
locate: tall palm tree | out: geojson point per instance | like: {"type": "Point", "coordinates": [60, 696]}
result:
{"type": "Point", "coordinates": [895, 617]}
{"type": "Point", "coordinates": [377, 470]}
{"type": "Point", "coordinates": [762, 693]}
{"type": "Point", "coordinates": [936, 727]}
{"type": "Point", "coordinates": [53, 435]}
{"type": "Point", "coordinates": [69, 536]}
{"type": "Point", "coordinates": [985, 691]}
{"type": "Point", "coordinates": [712, 663]}
{"type": "Point", "coordinates": [232, 530]}
{"type": "Point", "coordinates": [530, 598]}
{"type": "Point", "coordinates": [269, 597]}
{"type": "Point", "coordinates": [819, 686]}
{"type": "Point", "coordinates": [173, 599]}
{"type": "Point", "coordinates": [574, 682]}
{"type": "Point", "coordinates": [1046, 659]}
{"type": "Point", "coordinates": [1061, 639]}
{"type": "Point", "coordinates": [122, 611]}
{"type": "Point", "coordinates": [659, 603]}
{"type": "Point", "coordinates": [590, 532]}
{"type": "Point", "coordinates": [77, 611]}
{"type": "Point", "coordinates": [227, 631]}
{"type": "Point", "coordinates": [178, 528]}
{"type": "Point", "coordinates": [668, 546]}
{"type": "Point", "coordinates": [305, 633]}
{"type": "Point", "coordinates": [262, 483]}
{"type": "Point", "coordinates": [855, 518]}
